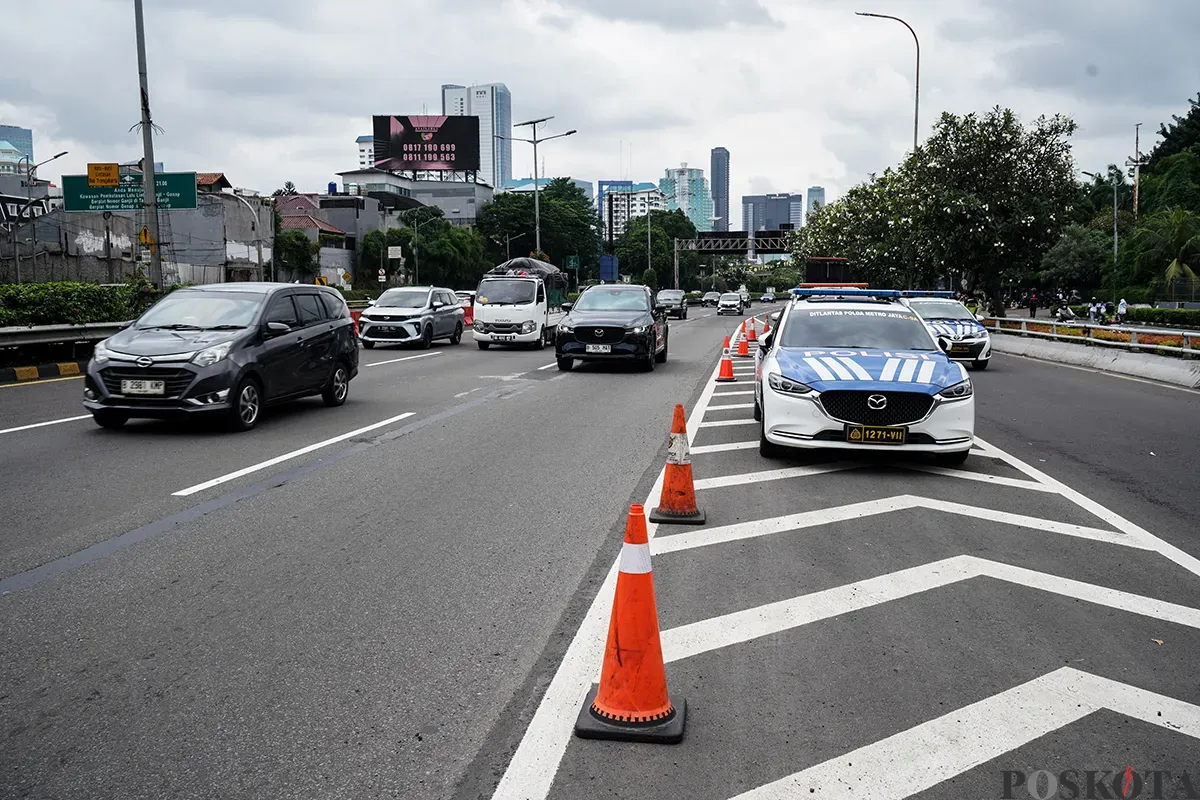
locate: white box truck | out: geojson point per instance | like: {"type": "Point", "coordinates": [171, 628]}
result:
{"type": "Point", "coordinates": [519, 303]}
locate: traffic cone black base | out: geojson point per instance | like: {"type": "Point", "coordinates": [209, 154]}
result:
{"type": "Point", "coordinates": [667, 518]}
{"type": "Point", "coordinates": [669, 730]}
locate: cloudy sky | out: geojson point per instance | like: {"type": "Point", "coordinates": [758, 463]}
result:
{"type": "Point", "coordinates": [802, 92]}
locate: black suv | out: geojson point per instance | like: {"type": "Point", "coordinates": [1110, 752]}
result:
{"type": "Point", "coordinates": [674, 302]}
{"type": "Point", "coordinates": [227, 349]}
{"type": "Point", "coordinates": [613, 321]}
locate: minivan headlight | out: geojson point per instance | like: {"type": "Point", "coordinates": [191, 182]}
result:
{"type": "Point", "coordinates": [211, 355]}
{"type": "Point", "coordinates": [101, 354]}
{"type": "Point", "coordinates": [787, 385]}
{"type": "Point", "coordinates": [959, 391]}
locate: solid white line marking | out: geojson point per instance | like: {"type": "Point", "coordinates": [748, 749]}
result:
{"type": "Point", "coordinates": [824, 516]}
{"type": "Point", "coordinates": [548, 366]}
{"type": "Point", "coordinates": [730, 394]}
{"type": "Point", "coordinates": [769, 475]}
{"type": "Point", "coordinates": [908, 762]}
{"type": "Point", "coordinates": [749, 624]}
{"type": "Point", "coordinates": [998, 480]}
{"type": "Point", "coordinates": [44, 424]}
{"type": "Point", "coordinates": [531, 771]}
{"type": "Point", "coordinates": [723, 448]}
{"type": "Point", "coordinates": [398, 360]}
{"type": "Point", "coordinates": [907, 371]}
{"type": "Point", "coordinates": [728, 406]}
{"type": "Point", "coordinates": [926, 373]}
{"type": "Point", "coordinates": [200, 487]}
{"type": "Point", "coordinates": [725, 423]}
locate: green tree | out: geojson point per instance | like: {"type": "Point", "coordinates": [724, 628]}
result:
{"type": "Point", "coordinates": [665, 228]}
{"type": "Point", "coordinates": [650, 279]}
{"type": "Point", "coordinates": [296, 253]}
{"type": "Point", "coordinates": [1168, 244]}
{"type": "Point", "coordinates": [568, 223]}
{"type": "Point", "coordinates": [1181, 135]}
{"type": "Point", "coordinates": [1077, 259]}
{"type": "Point", "coordinates": [289, 188]}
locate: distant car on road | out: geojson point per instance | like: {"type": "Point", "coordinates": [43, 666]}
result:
{"type": "Point", "coordinates": [674, 302]}
{"type": "Point", "coordinates": [746, 301]}
{"type": "Point", "coordinates": [612, 322]}
{"type": "Point", "coordinates": [767, 298]}
{"type": "Point", "coordinates": [731, 303]}
{"type": "Point", "coordinates": [225, 349]}
{"type": "Point", "coordinates": [710, 299]}
{"type": "Point", "coordinates": [412, 314]}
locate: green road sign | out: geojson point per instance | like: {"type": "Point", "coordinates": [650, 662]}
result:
{"type": "Point", "coordinates": [175, 190]}
{"type": "Point", "coordinates": [572, 262]}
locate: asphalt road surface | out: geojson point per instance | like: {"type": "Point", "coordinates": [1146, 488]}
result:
{"type": "Point", "coordinates": [406, 596]}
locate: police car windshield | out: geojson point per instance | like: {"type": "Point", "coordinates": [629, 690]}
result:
{"type": "Point", "coordinates": [870, 328]}
{"type": "Point", "coordinates": [940, 309]}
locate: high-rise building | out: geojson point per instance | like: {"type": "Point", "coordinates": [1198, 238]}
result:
{"type": "Point", "coordinates": [772, 212]}
{"type": "Point", "coordinates": [687, 188]}
{"type": "Point", "coordinates": [626, 200]}
{"type": "Point", "coordinates": [492, 103]}
{"type": "Point", "coordinates": [19, 138]}
{"type": "Point", "coordinates": [720, 188]}
{"type": "Point", "coordinates": [816, 197]}
{"type": "Point", "coordinates": [366, 151]}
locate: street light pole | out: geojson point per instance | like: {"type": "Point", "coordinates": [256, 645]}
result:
{"type": "Point", "coordinates": [917, 93]}
{"type": "Point", "coordinates": [1115, 204]}
{"type": "Point", "coordinates": [150, 201]}
{"type": "Point", "coordinates": [537, 202]}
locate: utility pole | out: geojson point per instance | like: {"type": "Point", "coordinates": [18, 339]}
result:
{"type": "Point", "coordinates": [537, 202]}
{"type": "Point", "coordinates": [150, 202]}
{"type": "Point", "coordinates": [1137, 163]}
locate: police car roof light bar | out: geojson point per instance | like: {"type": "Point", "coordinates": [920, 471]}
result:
{"type": "Point", "coordinates": [872, 293]}
{"type": "Point", "coordinates": [926, 293]}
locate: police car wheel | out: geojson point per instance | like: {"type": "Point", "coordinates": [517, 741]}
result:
{"type": "Point", "coordinates": [978, 364]}
{"type": "Point", "coordinates": [757, 411]}
{"type": "Point", "coordinates": [951, 459]}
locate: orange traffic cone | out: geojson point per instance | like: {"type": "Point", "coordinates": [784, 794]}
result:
{"type": "Point", "coordinates": [751, 335]}
{"type": "Point", "coordinates": [677, 504]}
{"type": "Point", "coordinates": [631, 702]}
{"type": "Point", "coordinates": [743, 350]}
{"type": "Point", "coordinates": [766, 324]}
{"type": "Point", "coordinates": [726, 374]}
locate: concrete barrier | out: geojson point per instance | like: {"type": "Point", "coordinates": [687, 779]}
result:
{"type": "Point", "coordinates": [1176, 371]}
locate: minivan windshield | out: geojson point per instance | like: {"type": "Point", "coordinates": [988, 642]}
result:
{"type": "Point", "coordinates": [940, 309]}
{"type": "Point", "coordinates": [201, 310]}
{"type": "Point", "coordinates": [612, 300]}
{"type": "Point", "coordinates": [855, 328]}
{"type": "Point", "coordinates": [731, 297]}
{"type": "Point", "coordinates": [506, 292]}
{"type": "Point", "coordinates": [403, 298]}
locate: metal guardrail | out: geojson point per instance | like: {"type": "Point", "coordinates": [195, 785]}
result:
{"type": "Point", "coordinates": [58, 334]}
{"type": "Point", "coordinates": [1021, 327]}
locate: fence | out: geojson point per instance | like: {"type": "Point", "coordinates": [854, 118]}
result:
{"type": "Point", "coordinates": [1176, 342]}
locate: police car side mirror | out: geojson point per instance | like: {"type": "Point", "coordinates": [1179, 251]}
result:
{"type": "Point", "coordinates": [944, 344]}
{"type": "Point", "coordinates": [764, 343]}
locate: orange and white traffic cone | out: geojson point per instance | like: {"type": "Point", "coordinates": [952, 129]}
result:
{"type": "Point", "coordinates": [743, 350]}
{"type": "Point", "coordinates": [677, 504]}
{"type": "Point", "coordinates": [726, 374]}
{"type": "Point", "coordinates": [631, 703]}
{"type": "Point", "coordinates": [750, 334]}
{"type": "Point", "coordinates": [766, 324]}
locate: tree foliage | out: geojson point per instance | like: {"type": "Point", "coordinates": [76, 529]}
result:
{"type": "Point", "coordinates": [435, 251]}
{"type": "Point", "coordinates": [1077, 259]}
{"type": "Point", "coordinates": [569, 225]}
{"type": "Point", "coordinates": [1178, 136]}
{"type": "Point", "coordinates": [288, 188]}
{"type": "Point", "coordinates": [296, 253]}
{"type": "Point", "coordinates": [650, 279]}
{"type": "Point", "coordinates": [665, 228]}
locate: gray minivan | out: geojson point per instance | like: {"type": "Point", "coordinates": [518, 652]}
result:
{"type": "Point", "coordinates": [412, 314]}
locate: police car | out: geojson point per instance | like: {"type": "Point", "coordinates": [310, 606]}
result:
{"type": "Point", "coordinates": [857, 369]}
{"type": "Point", "coordinates": [949, 319]}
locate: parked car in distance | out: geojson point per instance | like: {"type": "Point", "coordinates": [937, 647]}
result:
{"type": "Point", "coordinates": [731, 303]}
{"type": "Point", "coordinates": [711, 299]}
{"type": "Point", "coordinates": [674, 302]}
{"type": "Point", "coordinates": [612, 322]}
{"type": "Point", "coordinates": [412, 314]}
{"type": "Point", "coordinates": [224, 349]}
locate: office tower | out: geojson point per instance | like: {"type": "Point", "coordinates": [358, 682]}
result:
{"type": "Point", "coordinates": [492, 103]}
{"type": "Point", "coordinates": [720, 188]}
{"type": "Point", "coordinates": [687, 188]}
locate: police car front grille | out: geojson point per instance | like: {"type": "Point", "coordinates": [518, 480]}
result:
{"type": "Point", "coordinates": [902, 408]}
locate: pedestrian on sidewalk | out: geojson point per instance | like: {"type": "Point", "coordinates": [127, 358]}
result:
{"type": "Point", "coordinates": [1122, 310]}
{"type": "Point", "coordinates": [1093, 310]}
{"type": "Point", "coordinates": [1033, 300]}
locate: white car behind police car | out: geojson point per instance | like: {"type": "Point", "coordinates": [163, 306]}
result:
{"type": "Point", "coordinates": [855, 369]}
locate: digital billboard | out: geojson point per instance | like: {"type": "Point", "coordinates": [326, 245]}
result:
{"type": "Point", "coordinates": [426, 142]}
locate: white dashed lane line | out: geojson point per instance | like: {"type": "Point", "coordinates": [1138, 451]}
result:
{"type": "Point", "coordinates": [44, 424]}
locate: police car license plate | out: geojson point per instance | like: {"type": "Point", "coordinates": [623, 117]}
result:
{"type": "Point", "coordinates": [869, 434]}
{"type": "Point", "coordinates": [598, 348]}
{"type": "Point", "coordinates": [143, 387]}
{"type": "Point", "coordinates": [960, 348]}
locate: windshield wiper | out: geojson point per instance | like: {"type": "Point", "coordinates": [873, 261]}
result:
{"type": "Point", "coordinates": [225, 328]}
{"type": "Point", "coordinates": [176, 326]}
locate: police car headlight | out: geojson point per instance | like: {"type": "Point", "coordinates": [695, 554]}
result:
{"type": "Point", "coordinates": [959, 391]}
{"type": "Point", "coordinates": [787, 385]}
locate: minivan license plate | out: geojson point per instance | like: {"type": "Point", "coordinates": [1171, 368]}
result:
{"type": "Point", "coordinates": [143, 387]}
{"type": "Point", "coordinates": [598, 348]}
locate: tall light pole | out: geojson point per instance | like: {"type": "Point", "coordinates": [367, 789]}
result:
{"type": "Point", "coordinates": [1114, 185]}
{"type": "Point", "coordinates": [30, 169]}
{"type": "Point", "coordinates": [150, 200]}
{"type": "Point", "coordinates": [917, 93]}
{"type": "Point", "coordinates": [537, 202]}
{"type": "Point", "coordinates": [508, 240]}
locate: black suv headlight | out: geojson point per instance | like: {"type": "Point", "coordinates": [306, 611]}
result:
{"type": "Point", "coordinates": [787, 385]}
{"type": "Point", "coordinates": [959, 391]}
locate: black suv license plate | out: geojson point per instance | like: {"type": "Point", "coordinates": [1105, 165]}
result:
{"type": "Point", "coordinates": [873, 434]}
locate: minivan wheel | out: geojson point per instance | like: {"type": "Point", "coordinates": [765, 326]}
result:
{"type": "Point", "coordinates": [427, 337]}
{"type": "Point", "coordinates": [457, 337]}
{"type": "Point", "coordinates": [339, 387]}
{"type": "Point", "coordinates": [247, 405]}
{"type": "Point", "coordinates": [109, 419]}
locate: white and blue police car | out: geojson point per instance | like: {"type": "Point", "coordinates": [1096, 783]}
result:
{"type": "Point", "coordinates": [857, 369]}
{"type": "Point", "coordinates": [949, 319]}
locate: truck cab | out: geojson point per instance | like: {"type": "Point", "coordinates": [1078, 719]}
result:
{"type": "Point", "coordinates": [518, 307]}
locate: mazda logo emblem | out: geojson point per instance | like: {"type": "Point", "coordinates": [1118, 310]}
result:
{"type": "Point", "coordinates": [144, 361]}
{"type": "Point", "coordinates": [599, 332]}
{"type": "Point", "coordinates": [876, 402]}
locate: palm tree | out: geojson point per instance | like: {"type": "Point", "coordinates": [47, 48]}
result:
{"type": "Point", "coordinates": [288, 189]}
{"type": "Point", "coordinates": [1173, 238]}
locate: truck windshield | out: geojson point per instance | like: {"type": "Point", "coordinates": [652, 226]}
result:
{"type": "Point", "coordinates": [501, 292]}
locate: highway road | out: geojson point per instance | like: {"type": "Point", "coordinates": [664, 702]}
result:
{"type": "Point", "coordinates": [404, 597]}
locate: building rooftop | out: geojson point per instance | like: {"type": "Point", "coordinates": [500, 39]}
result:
{"type": "Point", "coordinates": [307, 222]}
{"type": "Point", "coordinates": [212, 181]}
{"type": "Point", "coordinates": [364, 139]}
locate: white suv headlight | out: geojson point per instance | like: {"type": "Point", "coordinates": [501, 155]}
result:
{"type": "Point", "coordinates": [959, 391]}
{"type": "Point", "coordinates": [211, 355]}
{"type": "Point", "coordinates": [787, 385]}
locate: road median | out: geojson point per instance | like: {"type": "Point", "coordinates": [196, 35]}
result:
{"type": "Point", "coordinates": [1166, 369]}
